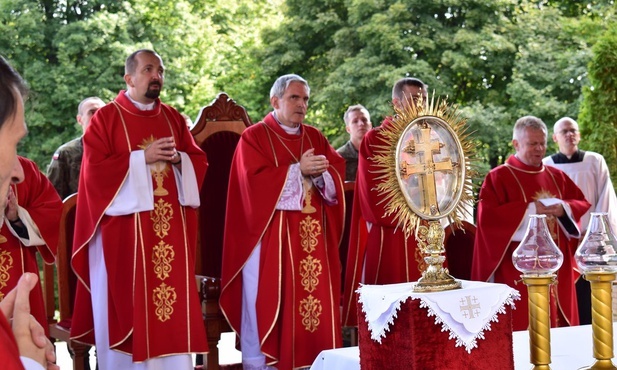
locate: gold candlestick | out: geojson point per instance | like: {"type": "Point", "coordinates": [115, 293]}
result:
{"type": "Point", "coordinates": [601, 318]}
{"type": "Point", "coordinates": [538, 288]}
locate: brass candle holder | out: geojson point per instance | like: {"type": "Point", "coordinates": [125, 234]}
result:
{"type": "Point", "coordinates": [602, 318]}
{"type": "Point", "coordinates": [538, 289]}
{"type": "Point", "coordinates": [538, 258]}
{"type": "Point", "coordinates": [596, 256]}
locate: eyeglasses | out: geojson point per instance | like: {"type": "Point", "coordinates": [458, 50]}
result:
{"type": "Point", "coordinates": [570, 131]}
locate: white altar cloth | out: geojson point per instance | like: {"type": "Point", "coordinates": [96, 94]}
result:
{"type": "Point", "coordinates": [465, 313]}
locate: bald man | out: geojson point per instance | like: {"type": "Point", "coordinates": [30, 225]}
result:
{"type": "Point", "coordinates": [589, 171]}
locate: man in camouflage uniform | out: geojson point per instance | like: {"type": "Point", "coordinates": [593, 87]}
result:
{"type": "Point", "coordinates": [63, 171]}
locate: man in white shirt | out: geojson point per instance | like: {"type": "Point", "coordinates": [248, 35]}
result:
{"type": "Point", "coordinates": [590, 172]}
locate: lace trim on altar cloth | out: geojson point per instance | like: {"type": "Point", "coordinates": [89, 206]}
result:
{"type": "Point", "coordinates": [465, 313]}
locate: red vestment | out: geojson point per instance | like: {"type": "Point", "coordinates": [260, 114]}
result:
{"type": "Point", "coordinates": [505, 195]}
{"type": "Point", "coordinates": [384, 254]}
{"type": "Point", "coordinates": [36, 195]}
{"type": "Point", "coordinates": [9, 353]}
{"type": "Point", "coordinates": [154, 308]}
{"type": "Point", "coordinates": [298, 299]}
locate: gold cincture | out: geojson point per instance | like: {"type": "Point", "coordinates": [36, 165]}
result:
{"type": "Point", "coordinates": [425, 168]}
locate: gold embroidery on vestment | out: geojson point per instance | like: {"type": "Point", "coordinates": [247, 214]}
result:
{"type": "Point", "coordinates": [310, 310]}
{"type": "Point", "coordinates": [3, 239]}
{"type": "Point", "coordinates": [6, 263]}
{"type": "Point", "coordinates": [551, 221]}
{"type": "Point", "coordinates": [309, 230]}
{"type": "Point", "coordinates": [159, 170]}
{"type": "Point", "coordinates": [164, 298]}
{"type": "Point", "coordinates": [162, 255]}
{"type": "Point", "coordinates": [310, 269]}
{"type": "Point", "coordinates": [160, 216]}
{"type": "Point", "coordinates": [307, 186]}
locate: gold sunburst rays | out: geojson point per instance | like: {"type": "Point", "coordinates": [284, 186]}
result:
{"type": "Point", "coordinates": [385, 159]}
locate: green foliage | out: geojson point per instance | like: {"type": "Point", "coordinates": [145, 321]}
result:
{"type": "Point", "coordinates": [68, 51]}
{"type": "Point", "coordinates": [598, 118]}
{"type": "Point", "coordinates": [496, 59]}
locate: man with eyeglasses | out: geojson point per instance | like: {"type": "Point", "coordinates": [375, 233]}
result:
{"type": "Point", "coordinates": [511, 192]}
{"type": "Point", "coordinates": [590, 172]}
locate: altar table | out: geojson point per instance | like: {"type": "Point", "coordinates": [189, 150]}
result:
{"type": "Point", "coordinates": [571, 349]}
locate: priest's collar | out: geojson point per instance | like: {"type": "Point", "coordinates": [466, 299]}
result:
{"type": "Point", "coordinates": [517, 164]}
{"type": "Point", "coordinates": [287, 129]}
{"type": "Point", "coordinates": [560, 158]}
{"type": "Point", "coordinates": [140, 106]}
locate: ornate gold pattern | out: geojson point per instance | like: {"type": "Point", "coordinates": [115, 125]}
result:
{"type": "Point", "coordinates": [310, 310]}
{"type": "Point", "coordinates": [386, 155]}
{"type": "Point", "coordinates": [551, 222]}
{"type": "Point", "coordinates": [6, 263]}
{"type": "Point", "coordinates": [3, 239]}
{"type": "Point", "coordinates": [307, 186]}
{"type": "Point", "coordinates": [162, 255]}
{"type": "Point", "coordinates": [159, 170]}
{"type": "Point", "coordinates": [310, 269]}
{"type": "Point", "coordinates": [164, 298]}
{"type": "Point", "coordinates": [309, 230]}
{"type": "Point", "coordinates": [160, 217]}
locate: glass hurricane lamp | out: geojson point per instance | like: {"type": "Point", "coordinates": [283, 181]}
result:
{"type": "Point", "coordinates": [537, 253]}
{"type": "Point", "coordinates": [597, 251]}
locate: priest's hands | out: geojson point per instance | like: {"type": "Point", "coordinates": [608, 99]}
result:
{"type": "Point", "coordinates": [556, 210]}
{"type": "Point", "coordinates": [29, 334]}
{"type": "Point", "coordinates": [163, 149]}
{"type": "Point", "coordinates": [313, 165]}
{"type": "Point", "coordinates": [11, 206]}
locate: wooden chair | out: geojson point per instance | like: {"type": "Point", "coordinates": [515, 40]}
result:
{"type": "Point", "coordinates": [67, 282]}
{"type": "Point", "coordinates": [216, 131]}
{"type": "Point", "coordinates": [459, 249]}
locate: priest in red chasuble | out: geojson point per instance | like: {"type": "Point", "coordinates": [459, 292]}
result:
{"type": "Point", "coordinates": [23, 343]}
{"type": "Point", "coordinates": [135, 231]}
{"type": "Point", "coordinates": [379, 252]}
{"type": "Point", "coordinates": [509, 194]}
{"type": "Point", "coordinates": [285, 210]}
{"type": "Point", "coordinates": [30, 224]}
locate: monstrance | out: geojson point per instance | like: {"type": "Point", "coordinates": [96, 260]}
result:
{"type": "Point", "coordinates": [425, 168]}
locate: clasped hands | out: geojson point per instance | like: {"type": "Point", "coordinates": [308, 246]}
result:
{"type": "Point", "coordinates": [11, 207]}
{"type": "Point", "coordinates": [313, 165]}
{"type": "Point", "coordinates": [555, 210]}
{"type": "Point", "coordinates": [28, 333]}
{"type": "Point", "coordinates": [163, 149]}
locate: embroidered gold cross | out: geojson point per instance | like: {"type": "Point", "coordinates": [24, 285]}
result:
{"type": "Point", "coordinates": [470, 307]}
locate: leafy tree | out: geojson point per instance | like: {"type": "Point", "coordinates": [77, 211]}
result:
{"type": "Point", "coordinates": [70, 50]}
{"type": "Point", "coordinates": [497, 59]}
{"type": "Point", "coordinates": [598, 118]}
